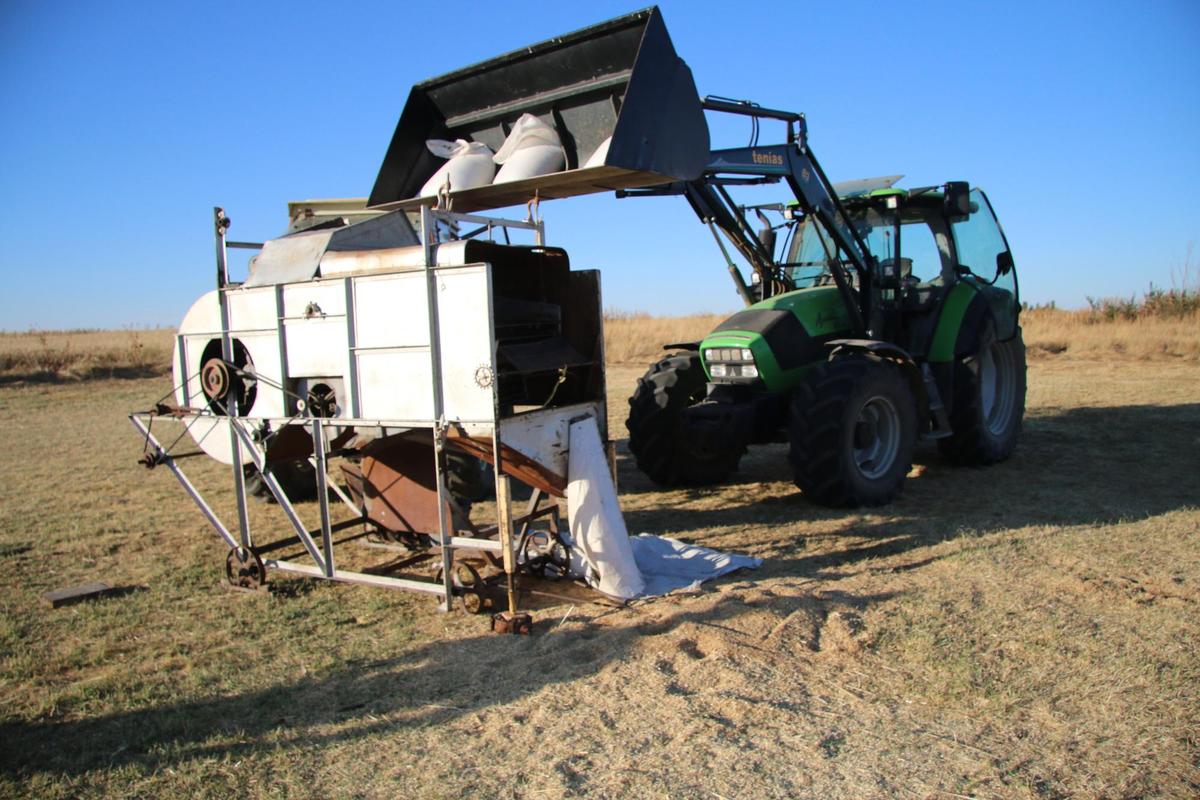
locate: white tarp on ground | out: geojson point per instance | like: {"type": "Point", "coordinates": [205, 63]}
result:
{"type": "Point", "coordinates": [668, 564]}
{"type": "Point", "coordinates": [608, 558]}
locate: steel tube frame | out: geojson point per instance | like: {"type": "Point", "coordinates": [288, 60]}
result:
{"type": "Point", "coordinates": [165, 458]}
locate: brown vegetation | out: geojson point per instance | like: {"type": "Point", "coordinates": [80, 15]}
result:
{"type": "Point", "coordinates": [81, 354]}
{"type": "Point", "coordinates": [1048, 331]}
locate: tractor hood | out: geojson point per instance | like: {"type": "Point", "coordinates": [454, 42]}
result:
{"type": "Point", "coordinates": [784, 334]}
{"type": "Point", "coordinates": [617, 84]}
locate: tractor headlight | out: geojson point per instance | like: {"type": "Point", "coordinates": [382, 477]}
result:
{"type": "Point", "coordinates": [730, 362]}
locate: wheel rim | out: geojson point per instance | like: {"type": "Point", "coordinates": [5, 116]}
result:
{"type": "Point", "coordinates": [876, 437]}
{"type": "Point", "coordinates": [997, 387]}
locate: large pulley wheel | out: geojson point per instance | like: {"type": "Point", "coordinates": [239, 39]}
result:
{"type": "Point", "coordinates": [244, 569]}
{"type": "Point", "coordinates": [852, 432]}
{"type": "Point", "coordinates": [216, 380]}
{"type": "Point", "coordinates": [221, 380]}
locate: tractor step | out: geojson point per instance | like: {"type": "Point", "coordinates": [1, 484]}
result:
{"type": "Point", "coordinates": [937, 410]}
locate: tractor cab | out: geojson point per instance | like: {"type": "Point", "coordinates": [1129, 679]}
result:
{"type": "Point", "coordinates": [924, 242]}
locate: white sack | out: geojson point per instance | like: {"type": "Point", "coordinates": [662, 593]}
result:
{"type": "Point", "coordinates": [470, 166]}
{"type": "Point", "coordinates": [600, 155]}
{"type": "Point", "coordinates": [531, 149]}
{"type": "Point", "coordinates": [594, 517]}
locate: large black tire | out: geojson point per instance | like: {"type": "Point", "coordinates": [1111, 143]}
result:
{"type": "Point", "coordinates": [468, 479]}
{"type": "Point", "coordinates": [852, 431]}
{"type": "Point", "coordinates": [297, 478]}
{"type": "Point", "coordinates": [989, 401]}
{"type": "Point", "coordinates": [659, 438]}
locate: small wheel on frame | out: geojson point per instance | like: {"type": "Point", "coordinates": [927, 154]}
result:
{"type": "Point", "coordinates": [468, 584]}
{"type": "Point", "coordinates": [244, 569]}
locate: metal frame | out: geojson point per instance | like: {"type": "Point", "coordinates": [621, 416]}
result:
{"type": "Point", "coordinates": [319, 544]}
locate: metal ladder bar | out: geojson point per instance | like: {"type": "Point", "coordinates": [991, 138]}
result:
{"type": "Point", "coordinates": [428, 234]}
{"type": "Point", "coordinates": [220, 223]}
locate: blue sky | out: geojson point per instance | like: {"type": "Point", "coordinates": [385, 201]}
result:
{"type": "Point", "coordinates": [124, 123]}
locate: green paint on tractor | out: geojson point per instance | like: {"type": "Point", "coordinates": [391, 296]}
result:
{"type": "Point", "coordinates": [820, 311]}
{"type": "Point", "coordinates": [951, 319]}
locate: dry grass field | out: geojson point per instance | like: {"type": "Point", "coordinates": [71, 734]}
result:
{"type": "Point", "coordinates": [1031, 630]}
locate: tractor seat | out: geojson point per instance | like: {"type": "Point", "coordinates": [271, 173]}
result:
{"type": "Point", "coordinates": [918, 296]}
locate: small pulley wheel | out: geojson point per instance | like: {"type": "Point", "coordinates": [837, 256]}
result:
{"type": "Point", "coordinates": [322, 401]}
{"type": "Point", "coordinates": [244, 569]}
{"type": "Point", "coordinates": [544, 554]}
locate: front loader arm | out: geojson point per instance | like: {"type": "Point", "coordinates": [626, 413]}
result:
{"type": "Point", "coordinates": [796, 165]}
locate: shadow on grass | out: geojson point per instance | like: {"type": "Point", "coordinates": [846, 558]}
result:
{"type": "Point", "coordinates": [1089, 466]}
{"type": "Point", "coordinates": [432, 684]}
{"type": "Point", "coordinates": [1083, 466]}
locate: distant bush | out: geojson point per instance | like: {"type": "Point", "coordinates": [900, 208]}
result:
{"type": "Point", "coordinates": [1180, 301]}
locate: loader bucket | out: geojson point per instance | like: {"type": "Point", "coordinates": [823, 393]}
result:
{"type": "Point", "coordinates": [619, 79]}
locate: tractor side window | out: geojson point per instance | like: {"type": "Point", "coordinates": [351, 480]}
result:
{"type": "Point", "coordinates": [978, 239]}
{"type": "Point", "coordinates": [918, 246]}
{"type": "Point", "coordinates": [981, 247]}
{"type": "Point", "coordinates": [920, 260]}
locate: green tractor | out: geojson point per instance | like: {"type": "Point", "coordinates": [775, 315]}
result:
{"type": "Point", "coordinates": [884, 316]}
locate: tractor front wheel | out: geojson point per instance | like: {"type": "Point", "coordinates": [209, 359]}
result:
{"type": "Point", "coordinates": [989, 401]}
{"type": "Point", "coordinates": [852, 431]}
{"type": "Point", "coordinates": [671, 449]}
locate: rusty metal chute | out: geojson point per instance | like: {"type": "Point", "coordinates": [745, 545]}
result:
{"type": "Point", "coordinates": [620, 79]}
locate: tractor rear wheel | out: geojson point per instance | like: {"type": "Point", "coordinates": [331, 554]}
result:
{"type": "Point", "coordinates": [297, 478]}
{"type": "Point", "coordinates": [666, 447]}
{"type": "Point", "coordinates": [989, 401]}
{"type": "Point", "coordinates": [852, 431]}
{"type": "Point", "coordinates": [468, 478]}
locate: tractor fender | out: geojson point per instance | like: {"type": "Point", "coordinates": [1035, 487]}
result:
{"type": "Point", "coordinates": [959, 324]}
{"type": "Point", "coordinates": [886, 351]}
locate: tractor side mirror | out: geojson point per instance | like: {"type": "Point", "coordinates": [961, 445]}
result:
{"type": "Point", "coordinates": [958, 200]}
{"type": "Point", "coordinates": [1004, 262]}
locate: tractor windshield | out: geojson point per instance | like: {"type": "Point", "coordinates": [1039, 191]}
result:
{"type": "Point", "coordinates": [811, 254]}
{"type": "Point", "coordinates": [813, 251]}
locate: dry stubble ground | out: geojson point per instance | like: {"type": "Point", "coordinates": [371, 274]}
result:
{"type": "Point", "coordinates": [1029, 631]}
